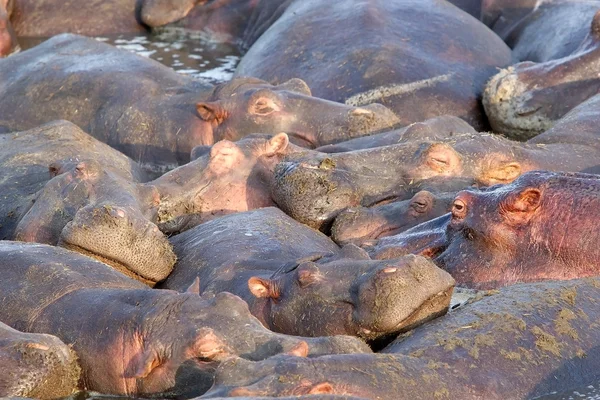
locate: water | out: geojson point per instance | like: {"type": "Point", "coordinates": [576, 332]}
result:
{"type": "Point", "coordinates": [186, 53]}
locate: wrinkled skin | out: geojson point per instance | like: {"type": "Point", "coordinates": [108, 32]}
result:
{"type": "Point", "coordinates": [431, 129]}
{"type": "Point", "coordinates": [525, 341]}
{"type": "Point", "coordinates": [297, 281]}
{"type": "Point", "coordinates": [540, 227]}
{"type": "Point", "coordinates": [8, 39]}
{"type": "Point", "coordinates": [36, 365]}
{"type": "Point", "coordinates": [383, 54]}
{"type": "Point", "coordinates": [93, 210]}
{"type": "Point", "coordinates": [43, 18]}
{"type": "Point", "coordinates": [363, 224]}
{"type": "Point", "coordinates": [157, 116]}
{"type": "Point", "coordinates": [559, 44]}
{"type": "Point", "coordinates": [130, 339]}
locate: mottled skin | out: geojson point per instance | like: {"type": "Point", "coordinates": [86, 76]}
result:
{"type": "Point", "coordinates": [297, 281]}
{"type": "Point", "coordinates": [362, 224]}
{"type": "Point", "coordinates": [559, 44]}
{"type": "Point", "coordinates": [431, 129]}
{"type": "Point", "coordinates": [540, 227]}
{"type": "Point", "coordinates": [155, 115]}
{"type": "Point", "coordinates": [8, 39]}
{"type": "Point", "coordinates": [523, 341]}
{"type": "Point", "coordinates": [92, 209]}
{"type": "Point", "coordinates": [42, 18]}
{"type": "Point", "coordinates": [130, 339]}
{"type": "Point", "coordinates": [36, 365]}
{"type": "Point", "coordinates": [383, 54]}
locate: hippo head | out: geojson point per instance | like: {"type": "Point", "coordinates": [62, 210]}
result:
{"type": "Point", "coordinates": [526, 99]}
{"type": "Point", "coordinates": [357, 225]}
{"type": "Point", "coordinates": [353, 295]}
{"type": "Point", "coordinates": [222, 20]}
{"type": "Point", "coordinates": [8, 38]}
{"type": "Point", "coordinates": [248, 105]}
{"type": "Point", "coordinates": [227, 177]}
{"type": "Point", "coordinates": [91, 210]}
{"type": "Point", "coordinates": [36, 365]}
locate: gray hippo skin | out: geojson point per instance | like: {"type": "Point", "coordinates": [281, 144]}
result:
{"type": "Point", "coordinates": [558, 43]}
{"type": "Point", "coordinates": [297, 281]}
{"type": "Point", "coordinates": [36, 365]}
{"type": "Point", "coordinates": [384, 53]}
{"type": "Point", "coordinates": [540, 227]}
{"type": "Point", "coordinates": [130, 339]}
{"type": "Point", "coordinates": [155, 115]}
{"type": "Point", "coordinates": [516, 343]}
{"type": "Point", "coordinates": [94, 207]}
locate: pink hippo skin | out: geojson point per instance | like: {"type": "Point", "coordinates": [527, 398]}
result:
{"type": "Point", "coordinates": [8, 39]}
{"type": "Point", "coordinates": [130, 339]}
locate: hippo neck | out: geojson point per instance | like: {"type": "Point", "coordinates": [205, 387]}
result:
{"type": "Point", "coordinates": [558, 157]}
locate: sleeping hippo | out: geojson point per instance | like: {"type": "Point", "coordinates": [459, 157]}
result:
{"type": "Point", "coordinates": [540, 227]}
{"type": "Point", "coordinates": [8, 38]}
{"type": "Point", "coordinates": [559, 44]}
{"type": "Point", "coordinates": [297, 281]}
{"type": "Point", "coordinates": [517, 343]}
{"type": "Point", "coordinates": [130, 339]}
{"type": "Point", "coordinates": [155, 115]}
{"type": "Point", "coordinates": [93, 206]}
{"type": "Point", "coordinates": [36, 365]}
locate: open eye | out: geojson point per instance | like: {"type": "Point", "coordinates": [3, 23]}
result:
{"type": "Point", "coordinates": [459, 208]}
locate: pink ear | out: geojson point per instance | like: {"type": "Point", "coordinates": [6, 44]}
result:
{"type": "Point", "coordinates": [194, 288]}
{"type": "Point", "coordinates": [143, 364]}
{"type": "Point", "coordinates": [520, 208]}
{"type": "Point", "coordinates": [277, 144]}
{"type": "Point", "coordinates": [211, 111]}
{"type": "Point", "coordinates": [299, 350]}
{"type": "Point", "coordinates": [208, 344]}
{"type": "Point", "coordinates": [262, 288]}
{"type": "Point", "coordinates": [321, 388]}
{"type": "Point", "coordinates": [442, 158]}
{"type": "Point", "coordinates": [224, 155]}
{"type": "Point", "coordinates": [308, 273]}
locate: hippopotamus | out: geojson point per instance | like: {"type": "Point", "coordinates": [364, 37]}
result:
{"type": "Point", "coordinates": [297, 281]}
{"type": "Point", "coordinates": [512, 233]}
{"type": "Point", "coordinates": [131, 339]}
{"type": "Point", "coordinates": [157, 116]}
{"type": "Point", "coordinates": [8, 38]}
{"type": "Point", "coordinates": [358, 225]}
{"type": "Point", "coordinates": [43, 18]}
{"type": "Point", "coordinates": [519, 342]}
{"type": "Point", "coordinates": [367, 51]}
{"type": "Point", "coordinates": [558, 43]}
{"type": "Point", "coordinates": [36, 365]}
{"type": "Point", "coordinates": [431, 129]}
{"type": "Point", "coordinates": [90, 208]}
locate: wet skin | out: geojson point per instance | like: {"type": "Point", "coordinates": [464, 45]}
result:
{"type": "Point", "coordinates": [519, 342]}
{"type": "Point", "coordinates": [297, 281]}
{"type": "Point", "coordinates": [156, 116]}
{"type": "Point", "coordinates": [130, 339]}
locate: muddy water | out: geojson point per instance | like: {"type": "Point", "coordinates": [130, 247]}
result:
{"type": "Point", "coordinates": [186, 53]}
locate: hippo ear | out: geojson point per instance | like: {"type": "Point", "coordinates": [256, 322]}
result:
{"type": "Point", "coordinates": [224, 155]}
{"type": "Point", "coordinates": [299, 350]}
{"type": "Point", "coordinates": [260, 287]}
{"type": "Point", "coordinates": [502, 174]}
{"type": "Point", "coordinates": [55, 169]}
{"type": "Point", "coordinates": [520, 208]}
{"type": "Point", "coordinates": [308, 273]}
{"type": "Point", "coordinates": [296, 85]}
{"type": "Point", "coordinates": [199, 151]}
{"type": "Point", "coordinates": [442, 158]}
{"type": "Point", "coordinates": [143, 364]}
{"type": "Point", "coordinates": [208, 345]}
{"type": "Point", "coordinates": [321, 388]}
{"type": "Point", "coordinates": [211, 111]}
{"type": "Point", "coordinates": [194, 288]}
{"type": "Point", "coordinates": [277, 144]}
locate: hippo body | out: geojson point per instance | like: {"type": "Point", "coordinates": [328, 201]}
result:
{"type": "Point", "coordinates": [383, 54]}
{"type": "Point", "coordinates": [131, 339]}
{"type": "Point", "coordinates": [558, 42]}
{"type": "Point", "coordinates": [36, 365]}
{"type": "Point", "coordinates": [520, 342]}
{"type": "Point", "coordinates": [297, 281]}
{"type": "Point", "coordinates": [508, 234]}
{"type": "Point", "coordinates": [155, 115]}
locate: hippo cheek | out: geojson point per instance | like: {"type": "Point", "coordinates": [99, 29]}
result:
{"type": "Point", "coordinates": [123, 239]}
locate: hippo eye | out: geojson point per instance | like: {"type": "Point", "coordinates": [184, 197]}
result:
{"type": "Point", "coordinates": [459, 208]}
{"type": "Point", "coordinates": [419, 206]}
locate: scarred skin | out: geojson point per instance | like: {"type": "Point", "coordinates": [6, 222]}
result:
{"type": "Point", "coordinates": [431, 129]}
{"type": "Point", "coordinates": [157, 116]}
{"type": "Point", "coordinates": [362, 224]}
{"type": "Point", "coordinates": [92, 209]}
{"type": "Point", "coordinates": [513, 233]}
{"type": "Point", "coordinates": [8, 39]}
{"type": "Point", "coordinates": [297, 281]}
{"type": "Point", "coordinates": [36, 365]}
{"type": "Point", "coordinates": [521, 342]}
{"type": "Point", "coordinates": [383, 54]}
{"type": "Point", "coordinates": [130, 339]}
{"type": "Point", "coordinates": [559, 44]}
